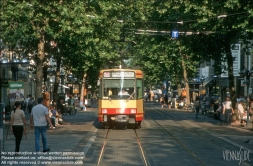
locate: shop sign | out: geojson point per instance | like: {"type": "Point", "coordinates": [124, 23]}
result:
{"type": "Point", "coordinates": [15, 85]}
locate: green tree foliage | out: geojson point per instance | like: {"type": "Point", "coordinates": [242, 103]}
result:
{"type": "Point", "coordinates": [95, 34]}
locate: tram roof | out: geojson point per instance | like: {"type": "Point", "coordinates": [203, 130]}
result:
{"type": "Point", "coordinates": [137, 71]}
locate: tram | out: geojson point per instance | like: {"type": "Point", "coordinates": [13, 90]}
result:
{"type": "Point", "coordinates": [121, 95]}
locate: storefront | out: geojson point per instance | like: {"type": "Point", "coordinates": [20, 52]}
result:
{"type": "Point", "coordinates": [223, 85]}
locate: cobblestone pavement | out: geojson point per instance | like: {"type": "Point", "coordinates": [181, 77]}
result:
{"type": "Point", "coordinates": [81, 137]}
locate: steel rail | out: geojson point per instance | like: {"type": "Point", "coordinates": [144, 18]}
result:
{"type": "Point", "coordinates": [181, 143]}
{"type": "Point", "coordinates": [103, 148]}
{"type": "Point", "coordinates": [213, 142]}
{"type": "Point", "coordinates": [142, 152]}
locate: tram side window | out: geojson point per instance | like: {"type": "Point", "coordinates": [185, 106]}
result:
{"type": "Point", "coordinates": [139, 91]}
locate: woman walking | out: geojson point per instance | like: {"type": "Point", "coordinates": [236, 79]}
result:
{"type": "Point", "coordinates": [197, 105]}
{"type": "Point", "coordinates": [162, 101]}
{"type": "Point", "coordinates": [18, 124]}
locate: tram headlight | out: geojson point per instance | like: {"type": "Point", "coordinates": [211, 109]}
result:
{"type": "Point", "coordinates": [133, 111]}
{"type": "Point", "coordinates": [104, 111]}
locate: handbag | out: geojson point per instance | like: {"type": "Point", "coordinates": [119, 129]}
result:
{"type": "Point", "coordinates": [57, 115]}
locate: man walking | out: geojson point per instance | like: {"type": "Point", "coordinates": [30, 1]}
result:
{"type": "Point", "coordinates": [228, 110]}
{"type": "Point", "coordinates": [38, 120]}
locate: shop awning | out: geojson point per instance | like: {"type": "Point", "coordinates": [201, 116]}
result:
{"type": "Point", "coordinates": [64, 86]}
{"type": "Point", "coordinates": [208, 83]}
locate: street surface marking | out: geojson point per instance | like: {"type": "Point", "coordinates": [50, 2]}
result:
{"type": "Point", "coordinates": [88, 146]}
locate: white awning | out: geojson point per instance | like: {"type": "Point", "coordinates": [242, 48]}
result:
{"type": "Point", "coordinates": [64, 86]}
{"type": "Point", "coordinates": [207, 82]}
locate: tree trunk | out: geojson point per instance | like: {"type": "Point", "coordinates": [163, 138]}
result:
{"type": "Point", "coordinates": [231, 83]}
{"type": "Point", "coordinates": [39, 67]}
{"type": "Point", "coordinates": [83, 86]}
{"type": "Point", "coordinates": [186, 83]}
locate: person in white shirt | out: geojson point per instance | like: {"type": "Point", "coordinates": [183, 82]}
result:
{"type": "Point", "coordinates": [38, 121]}
{"type": "Point", "coordinates": [241, 111]}
{"type": "Point", "coordinates": [82, 105]}
{"type": "Point", "coordinates": [18, 124]}
{"type": "Point", "coordinates": [228, 109]}
{"type": "Point", "coordinates": [123, 92]}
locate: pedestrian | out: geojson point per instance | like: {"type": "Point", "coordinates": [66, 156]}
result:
{"type": "Point", "coordinates": [52, 115]}
{"type": "Point", "coordinates": [241, 112]}
{"type": "Point", "coordinates": [162, 101]}
{"type": "Point", "coordinates": [151, 95]}
{"type": "Point", "coordinates": [38, 121]}
{"type": "Point", "coordinates": [228, 110]}
{"type": "Point", "coordinates": [82, 105]}
{"type": "Point", "coordinates": [18, 124]}
{"type": "Point", "coordinates": [166, 100]}
{"type": "Point", "coordinates": [26, 103]}
{"type": "Point", "coordinates": [30, 104]}
{"type": "Point", "coordinates": [197, 106]}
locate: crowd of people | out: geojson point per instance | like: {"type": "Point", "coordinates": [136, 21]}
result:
{"type": "Point", "coordinates": [42, 116]}
{"type": "Point", "coordinates": [222, 111]}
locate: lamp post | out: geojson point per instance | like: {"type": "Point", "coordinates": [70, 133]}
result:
{"type": "Point", "coordinates": [215, 77]}
{"type": "Point", "coordinates": [62, 76]}
{"type": "Point", "coordinates": [202, 82]}
{"type": "Point", "coordinates": [51, 89]}
{"type": "Point", "coordinates": [194, 81]}
{"type": "Point", "coordinates": [70, 78]}
{"type": "Point", "coordinates": [247, 73]}
{"type": "Point", "coordinates": [51, 73]}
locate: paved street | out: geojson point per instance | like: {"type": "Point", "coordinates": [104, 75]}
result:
{"type": "Point", "coordinates": [167, 137]}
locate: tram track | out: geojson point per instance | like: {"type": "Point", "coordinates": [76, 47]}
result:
{"type": "Point", "coordinates": [169, 115]}
{"type": "Point", "coordinates": [99, 162]}
{"type": "Point", "coordinates": [180, 142]}
{"type": "Point", "coordinates": [141, 149]}
{"type": "Point", "coordinates": [103, 148]}
{"type": "Point", "coordinates": [215, 143]}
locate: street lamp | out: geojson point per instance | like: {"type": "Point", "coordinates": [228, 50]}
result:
{"type": "Point", "coordinates": [13, 63]}
{"type": "Point", "coordinates": [215, 77]}
{"type": "Point", "coordinates": [247, 73]}
{"type": "Point", "coordinates": [70, 77]}
{"type": "Point", "coordinates": [51, 71]}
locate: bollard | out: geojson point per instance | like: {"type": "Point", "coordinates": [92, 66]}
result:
{"type": "Point", "coordinates": [2, 123]}
{"type": "Point", "coordinates": [4, 115]}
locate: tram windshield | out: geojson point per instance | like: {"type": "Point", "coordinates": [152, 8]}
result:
{"type": "Point", "coordinates": [118, 88]}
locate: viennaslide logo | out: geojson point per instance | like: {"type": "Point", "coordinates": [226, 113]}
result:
{"type": "Point", "coordinates": [241, 155]}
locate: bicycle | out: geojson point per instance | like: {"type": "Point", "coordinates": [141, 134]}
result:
{"type": "Point", "coordinates": [72, 110]}
{"type": "Point", "coordinates": [94, 101]}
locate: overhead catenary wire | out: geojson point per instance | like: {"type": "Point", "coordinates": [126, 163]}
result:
{"type": "Point", "coordinates": [183, 21]}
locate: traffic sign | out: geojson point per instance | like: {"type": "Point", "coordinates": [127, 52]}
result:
{"type": "Point", "coordinates": [4, 83]}
{"type": "Point", "coordinates": [174, 34]}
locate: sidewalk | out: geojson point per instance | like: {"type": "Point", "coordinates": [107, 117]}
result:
{"type": "Point", "coordinates": [71, 137]}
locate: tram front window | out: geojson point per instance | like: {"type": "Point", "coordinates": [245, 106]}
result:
{"type": "Point", "coordinates": [118, 89]}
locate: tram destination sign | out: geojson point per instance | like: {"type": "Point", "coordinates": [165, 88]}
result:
{"type": "Point", "coordinates": [118, 74]}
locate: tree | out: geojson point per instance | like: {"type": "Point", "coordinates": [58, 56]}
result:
{"type": "Point", "coordinates": [43, 21]}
